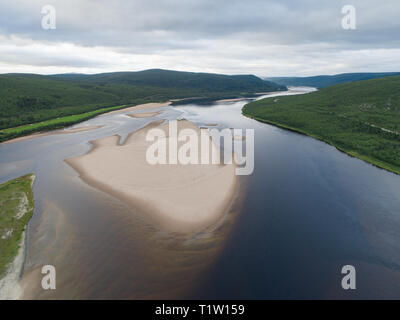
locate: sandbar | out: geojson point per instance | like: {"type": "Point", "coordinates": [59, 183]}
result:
{"type": "Point", "coordinates": [176, 197]}
{"type": "Point", "coordinates": [145, 106]}
{"type": "Point", "coordinates": [145, 114]}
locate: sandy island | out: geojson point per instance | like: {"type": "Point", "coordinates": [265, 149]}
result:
{"type": "Point", "coordinates": [179, 198]}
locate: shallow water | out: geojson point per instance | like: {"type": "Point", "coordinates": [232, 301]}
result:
{"type": "Point", "coordinates": [100, 247]}
{"type": "Point", "coordinates": [308, 210]}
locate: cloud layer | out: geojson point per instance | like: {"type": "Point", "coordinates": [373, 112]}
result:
{"type": "Point", "coordinates": [267, 38]}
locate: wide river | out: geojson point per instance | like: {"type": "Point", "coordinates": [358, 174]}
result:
{"type": "Point", "coordinates": [305, 212]}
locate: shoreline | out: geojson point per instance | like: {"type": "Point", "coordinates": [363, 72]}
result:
{"type": "Point", "coordinates": [10, 287]}
{"type": "Point", "coordinates": [371, 161]}
{"type": "Point", "coordinates": [144, 106]}
{"type": "Point", "coordinates": [141, 107]}
{"type": "Point", "coordinates": [178, 198]}
{"type": "Point", "coordinates": [53, 132]}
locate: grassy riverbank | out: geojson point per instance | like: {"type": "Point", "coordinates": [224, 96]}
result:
{"type": "Point", "coordinates": [16, 209]}
{"type": "Point", "coordinates": [360, 118]}
{"type": "Point", "coordinates": [52, 124]}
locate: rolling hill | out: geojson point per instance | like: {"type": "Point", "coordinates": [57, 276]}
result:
{"type": "Point", "coordinates": [29, 98]}
{"type": "Point", "coordinates": [200, 82]}
{"type": "Point", "coordinates": [360, 118]}
{"type": "Point", "coordinates": [328, 80]}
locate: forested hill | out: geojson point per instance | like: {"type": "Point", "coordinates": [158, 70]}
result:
{"type": "Point", "coordinates": [201, 82]}
{"type": "Point", "coordinates": [326, 80]}
{"type": "Point", "coordinates": [29, 98]}
{"type": "Point", "coordinates": [361, 118]}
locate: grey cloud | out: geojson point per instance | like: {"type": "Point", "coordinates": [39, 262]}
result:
{"type": "Point", "coordinates": [138, 23]}
{"type": "Point", "coordinates": [204, 28]}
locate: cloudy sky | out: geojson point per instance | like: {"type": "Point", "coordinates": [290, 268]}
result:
{"type": "Point", "coordinates": [263, 37]}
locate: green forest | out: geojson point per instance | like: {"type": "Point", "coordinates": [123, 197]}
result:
{"type": "Point", "coordinates": [329, 80]}
{"type": "Point", "coordinates": [29, 98]}
{"type": "Point", "coordinates": [16, 209]}
{"type": "Point", "coordinates": [360, 118]}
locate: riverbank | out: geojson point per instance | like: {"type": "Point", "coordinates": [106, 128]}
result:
{"type": "Point", "coordinates": [52, 126]}
{"type": "Point", "coordinates": [341, 116]}
{"type": "Point", "coordinates": [16, 209]}
{"type": "Point", "coordinates": [42, 134]}
{"type": "Point", "coordinates": [178, 198]}
{"type": "Point", "coordinates": [374, 162]}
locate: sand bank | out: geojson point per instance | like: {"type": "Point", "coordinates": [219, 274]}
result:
{"type": "Point", "coordinates": [145, 106]}
{"type": "Point", "coordinates": [180, 198]}
{"type": "Point", "coordinates": [79, 129]}
{"type": "Point", "coordinates": [232, 99]}
{"type": "Point", "coordinates": [145, 114]}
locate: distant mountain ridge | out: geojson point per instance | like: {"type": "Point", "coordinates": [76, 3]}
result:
{"type": "Point", "coordinates": [322, 81]}
{"type": "Point", "coordinates": [169, 79]}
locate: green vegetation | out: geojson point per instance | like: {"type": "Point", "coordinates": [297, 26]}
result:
{"type": "Point", "coordinates": [28, 98]}
{"type": "Point", "coordinates": [325, 81]}
{"type": "Point", "coordinates": [203, 84]}
{"type": "Point", "coordinates": [52, 124]}
{"type": "Point", "coordinates": [360, 118]}
{"type": "Point", "coordinates": [16, 209]}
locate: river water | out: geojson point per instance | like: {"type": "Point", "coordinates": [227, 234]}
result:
{"type": "Point", "coordinates": [305, 212]}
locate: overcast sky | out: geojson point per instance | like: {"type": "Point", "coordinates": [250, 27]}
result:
{"type": "Point", "coordinates": [263, 37]}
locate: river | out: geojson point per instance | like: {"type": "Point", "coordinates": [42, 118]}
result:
{"type": "Point", "coordinates": [306, 211]}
